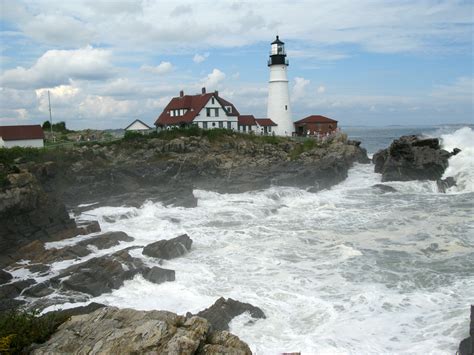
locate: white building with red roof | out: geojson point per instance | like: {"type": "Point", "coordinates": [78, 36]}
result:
{"type": "Point", "coordinates": [21, 136]}
{"type": "Point", "coordinates": [210, 111]}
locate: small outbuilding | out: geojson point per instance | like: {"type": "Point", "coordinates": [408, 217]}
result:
{"type": "Point", "coordinates": [21, 136]}
{"type": "Point", "coordinates": [315, 125]}
{"type": "Point", "coordinates": [138, 125]}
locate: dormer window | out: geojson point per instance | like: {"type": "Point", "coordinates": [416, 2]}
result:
{"type": "Point", "coordinates": [213, 101]}
{"type": "Point", "coordinates": [229, 109]}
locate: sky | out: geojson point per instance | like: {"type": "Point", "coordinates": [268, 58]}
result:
{"type": "Point", "coordinates": [365, 62]}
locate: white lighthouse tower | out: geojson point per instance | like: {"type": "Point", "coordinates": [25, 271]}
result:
{"type": "Point", "coordinates": [278, 94]}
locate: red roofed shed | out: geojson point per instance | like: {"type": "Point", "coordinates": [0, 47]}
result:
{"type": "Point", "coordinates": [315, 125]}
{"type": "Point", "coordinates": [21, 136]}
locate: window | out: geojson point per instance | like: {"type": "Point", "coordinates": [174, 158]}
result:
{"type": "Point", "coordinates": [286, 107]}
{"type": "Point", "coordinates": [208, 112]}
{"type": "Point", "coordinates": [229, 109]}
{"type": "Point", "coordinates": [229, 125]}
{"type": "Point", "coordinates": [213, 124]}
{"type": "Point", "coordinates": [269, 128]}
{"type": "Point", "coordinates": [212, 101]}
{"type": "Point", "coordinates": [221, 124]}
{"type": "Point", "coordinates": [172, 113]}
{"type": "Point", "coordinates": [216, 112]}
{"type": "Point", "coordinates": [244, 128]}
{"type": "Point", "coordinates": [204, 125]}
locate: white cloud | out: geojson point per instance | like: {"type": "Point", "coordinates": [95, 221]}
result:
{"type": "Point", "coordinates": [199, 58]}
{"type": "Point", "coordinates": [160, 69]}
{"type": "Point", "coordinates": [461, 90]}
{"type": "Point", "coordinates": [299, 88]}
{"type": "Point", "coordinates": [213, 79]}
{"type": "Point", "coordinates": [321, 89]}
{"type": "Point", "coordinates": [56, 67]}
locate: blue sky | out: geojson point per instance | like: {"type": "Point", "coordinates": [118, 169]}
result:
{"type": "Point", "coordinates": [363, 62]}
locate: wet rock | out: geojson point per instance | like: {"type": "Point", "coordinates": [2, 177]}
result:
{"type": "Point", "coordinates": [14, 289]}
{"type": "Point", "coordinates": [159, 275]}
{"type": "Point", "coordinates": [64, 314]}
{"type": "Point", "coordinates": [40, 290]}
{"type": "Point", "coordinates": [223, 311]}
{"type": "Point", "coordinates": [10, 304]}
{"type": "Point", "coordinates": [169, 249]}
{"type": "Point", "coordinates": [466, 347]}
{"type": "Point", "coordinates": [5, 277]}
{"type": "Point", "coordinates": [106, 240]}
{"type": "Point", "coordinates": [110, 330]}
{"type": "Point", "coordinates": [88, 227]}
{"type": "Point", "coordinates": [411, 158]}
{"type": "Point", "coordinates": [444, 184]}
{"type": "Point", "coordinates": [38, 268]}
{"type": "Point", "coordinates": [100, 275]}
{"type": "Point", "coordinates": [384, 188]}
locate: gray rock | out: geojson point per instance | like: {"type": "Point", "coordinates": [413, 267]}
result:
{"type": "Point", "coordinates": [106, 240]}
{"type": "Point", "coordinates": [110, 330]}
{"type": "Point", "coordinates": [466, 347]}
{"type": "Point", "coordinates": [223, 311]}
{"type": "Point", "coordinates": [169, 249]}
{"type": "Point", "coordinates": [411, 158]}
{"type": "Point", "coordinates": [14, 289]}
{"type": "Point", "coordinates": [5, 277]}
{"type": "Point", "coordinates": [444, 184]}
{"type": "Point", "coordinates": [159, 275]}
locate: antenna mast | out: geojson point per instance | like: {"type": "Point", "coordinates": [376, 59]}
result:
{"type": "Point", "coordinates": [50, 117]}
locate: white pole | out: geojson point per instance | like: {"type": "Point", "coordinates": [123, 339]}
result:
{"type": "Point", "coordinates": [50, 117]}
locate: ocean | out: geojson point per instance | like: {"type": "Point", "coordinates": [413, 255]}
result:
{"type": "Point", "coordinates": [349, 270]}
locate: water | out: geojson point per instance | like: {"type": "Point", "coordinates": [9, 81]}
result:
{"type": "Point", "coordinates": [345, 270]}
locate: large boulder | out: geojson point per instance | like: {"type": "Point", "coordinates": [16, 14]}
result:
{"type": "Point", "coordinates": [412, 158]}
{"type": "Point", "coordinates": [159, 275]}
{"type": "Point", "coordinates": [169, 249]}
{"type": "Point", "coordinates": [110, 330]}
{"type": "Point", "coordinates": [466, 347]}
{"type": "Point", "coordinates": [224, 310]}
{"type": "Point", "coordinates": [5, 277]}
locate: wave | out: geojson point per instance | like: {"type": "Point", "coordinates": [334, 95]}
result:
{"type": "Point", "coordinates": [461, 165]}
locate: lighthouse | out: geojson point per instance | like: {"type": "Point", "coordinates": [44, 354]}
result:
{"type": "Point", "coordinates": [278, 94]}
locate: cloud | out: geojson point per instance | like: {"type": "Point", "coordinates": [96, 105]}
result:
{"type": "Point", "coordinates": [56, 67]}
{"type": "Point", "coordinates": [199, 58]}
{"type": "Point", "coordinates": [181, 10]}
{"type": "Point", "coordinates": [160, 69]}
{"type": "Point", "coordinates": [461, 90]}
{"type": "Point", "coordinates": [321, 89]}
{"type": "Point", "coordinates": [299, 88]}
{"type": "Point", "coordinates": [213, 79]}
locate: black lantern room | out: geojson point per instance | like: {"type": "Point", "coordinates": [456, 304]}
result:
{"type": "Point", "coordinates": [277, 53]}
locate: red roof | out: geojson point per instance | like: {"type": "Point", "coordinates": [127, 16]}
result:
{"type": "Point", "coordinates": [316, 119]}
{"type": "Point", "coordinates": [13, 133]}
{"type": "Point", "coordinates": [193, 104]}
{"type": "Point", "coordinates": [246, 120]}
{"type": "Point", "coordinates": [265, 122]}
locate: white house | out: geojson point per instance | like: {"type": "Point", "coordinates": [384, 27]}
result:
{"type": "Point", "coordinates": [263, 126]}
{"type": "Point", "coordinates": [138, 125]}
{"type": "Point", "coordinates": [206, 110]}
{"type": "Point", "coordinates": [21, 136]}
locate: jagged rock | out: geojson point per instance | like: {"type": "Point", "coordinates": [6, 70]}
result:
{"type": "Point", "coordinates": [5, 277]}
{"type": "Point", "coordinates": [110, 330]}
{"type": "Point", "coordinates": [88, 227]}
{"type": "Point", "coordinates": [14, 289]}
{"type": "Point", "coordinates": [39, 290]}
{"type": "Point", "coordinates": [223, 311]}
{"type": "Point", "coordinates": [223, 342]}
{"type": "Point", "coordinates": [466, 347]}
{"type": "Point", "coordinates": [159, 275]}
{"type": "Point", "coordinates": [384, 188]}
{"type": "Point", "coordinates": [444, 184]}
{"type": "Point", "coordinates": [106, 240]}
{"type": "Point", "coordinates": [411, 158]}
{"type": "Point", "coordinates": [169, 249]}
{"type": "Point", "coordinates": [100, 275]}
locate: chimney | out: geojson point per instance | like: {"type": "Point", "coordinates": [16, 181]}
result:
{"type": "Point", "coordinates": [216, 93]}
{"type": "Point", "coordinates": [203, 91]}
{"type": "Point", "coordinates": [181, 93]}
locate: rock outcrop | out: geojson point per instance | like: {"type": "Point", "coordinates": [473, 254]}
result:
{"type": "Point", "coordinates": [221, 313]}
{"type": "Point", "coordinates": [110, 330]}
{"type": "Point", "coordinates": [412, 158]}
{"type": "Point", "coordinates": [28, 213]}
{"type": "Point", "coordinates": [169, 249]}
{"type": "Point", "coordinates": [466, 347]}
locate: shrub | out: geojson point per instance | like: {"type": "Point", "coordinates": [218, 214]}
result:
{"type": "Point", "coordinates": [20, 329]}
